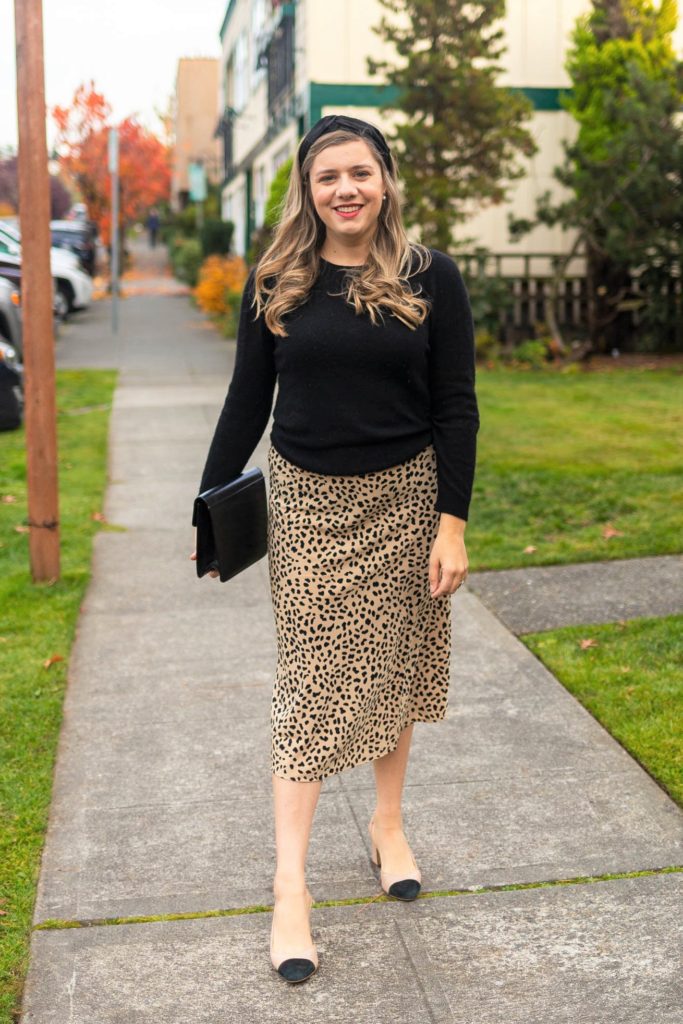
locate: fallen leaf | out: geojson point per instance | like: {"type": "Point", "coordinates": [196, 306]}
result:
{"type": "Point", "coordinates": [529, 549]}
{"type": "Point", "coordinates": [588, 642]}
{"type": "Point", "coordinates": [99, 517]}
{"type": "Point", "coordinates": [610, 531]}
{"type": "Point", "coordinates": [52, 660]}
{"type": "Point", "coordinates": [21, 529]}
{"type": "Point", "coordinates": [8, 499]}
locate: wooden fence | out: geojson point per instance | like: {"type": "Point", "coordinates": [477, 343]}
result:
{"type": "Point", "coordinates": [529, 280]}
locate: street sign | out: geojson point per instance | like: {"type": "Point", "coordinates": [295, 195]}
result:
{"type": "Point", "coordinates": [197, 178]}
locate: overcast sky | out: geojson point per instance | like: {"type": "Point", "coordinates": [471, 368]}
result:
{"type": "Point", "coordinates": [129, 47]}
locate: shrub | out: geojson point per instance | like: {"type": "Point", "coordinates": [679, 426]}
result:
{"type": "Point", "coordinates": [260, 240]}
{"type": "Point", "coordinates": [263, 236]}
{"type": "Point", "coordinates": [186, 258]}
{"type": "Point", "coordinates": [219, 279]}
{"type": "Point", "coordinates": [230, 322]}
{"type": "Point", "coordinates": [532, 351]}
{"type": "Point", "coordinates": [216, 236]}
{"type": "Point", "coordinates": [487, 345]}
{"type": "Point", "coordinates": [277, 193]}
{"type": "Point", "coordinates": [185, 222]}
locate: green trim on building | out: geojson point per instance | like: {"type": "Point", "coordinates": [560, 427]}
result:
{"type": "Point", "coordinates": [339, 94]}
{"type": "Point", "coordinates": [543, 98]}
{"type": "Point", "coordinates": [342, 94]}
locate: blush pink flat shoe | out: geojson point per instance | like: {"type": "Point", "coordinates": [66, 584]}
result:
{"type": "Point", "coordinates": [298, 967]}
{"type": "Point", "coordinates": [395, 885]}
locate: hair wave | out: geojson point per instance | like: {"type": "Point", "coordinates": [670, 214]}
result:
{"type": "Point", "coordinates": [290, 265]}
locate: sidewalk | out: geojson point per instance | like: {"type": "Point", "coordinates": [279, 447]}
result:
{"type": "Point", "coordinates": [162, 793]}
{"type": "Point", "coordinates": [551, 596]}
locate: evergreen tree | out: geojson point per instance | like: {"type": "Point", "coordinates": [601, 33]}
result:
{"type": "Point", "coordinates": [461, 133]}
{"type": "Point", "coordinates": [624, 170]}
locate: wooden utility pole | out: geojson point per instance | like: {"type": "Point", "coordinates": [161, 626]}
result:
{"type": "Point", "coordinates": [40, 411]}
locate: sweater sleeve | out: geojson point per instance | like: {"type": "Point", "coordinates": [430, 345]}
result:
{"type": "Point", "coordinates": [454, 408]}
{"type": "Point", "coordinates": [249, 400]}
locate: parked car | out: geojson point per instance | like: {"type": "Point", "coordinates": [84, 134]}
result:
{"type": "Point", "coordinates": [72, 288]}
{"type": "Point", "coordinates": [79, 237]}
{"type": "Point", "coordinates": [11, 233]}
{"type": "Point", "coordinates": [71, 280]}
{"type": "Point", "coordinates": [11, 388]}
{"type": "Point", "coordinates": [79, 211]}
{"type": "Point", "coordinates": [10, 316]}
{"type": "Point", "coordinates": [10, 269]}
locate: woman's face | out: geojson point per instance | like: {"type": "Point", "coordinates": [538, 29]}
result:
{"type": "Point", "coordinates": [347, 175]}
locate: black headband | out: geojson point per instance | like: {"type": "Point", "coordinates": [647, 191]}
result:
{"type": "Point", "coordinates": [331, 122]}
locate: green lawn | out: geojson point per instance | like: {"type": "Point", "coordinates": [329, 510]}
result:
{"type": "Point", "coordinates": [562, 455]}
{"type": "Point", "coordinates": [630, 680]}
{"type": "Point", "coordinates": [36, 624]}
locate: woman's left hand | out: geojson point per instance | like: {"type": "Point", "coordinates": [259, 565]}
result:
{"type": "Point", "coordinates": [449, 559]}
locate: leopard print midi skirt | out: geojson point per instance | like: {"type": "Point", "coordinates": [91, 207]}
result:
{"type": "Point", "coordinates": [363, 649]}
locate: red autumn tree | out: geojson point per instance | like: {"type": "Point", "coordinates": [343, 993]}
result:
{"type": "Point", "coordinates": [82, 147]}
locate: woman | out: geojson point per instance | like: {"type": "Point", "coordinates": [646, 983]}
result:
{"type": "Point", "coordinates": [371, 467]}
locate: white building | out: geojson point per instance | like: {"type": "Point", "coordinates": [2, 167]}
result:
{"type": "Point", "coordinates": [285, 65]}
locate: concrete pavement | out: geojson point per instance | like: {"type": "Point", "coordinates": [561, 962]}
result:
{"type": "Point", "coordinates": [550, 596]}
{"type": "Point", "coordinates": [162, 793]}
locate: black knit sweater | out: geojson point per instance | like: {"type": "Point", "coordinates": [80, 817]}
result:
{"type": "Point", "coordinates": [354, 397]}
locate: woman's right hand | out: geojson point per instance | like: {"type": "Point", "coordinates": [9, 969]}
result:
{"type": "Point", "coordinates": [193, 557]}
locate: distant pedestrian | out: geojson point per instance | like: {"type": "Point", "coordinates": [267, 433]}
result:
{"type": "Point", "coordinates": [153, 226]}
{"type": "Point", "coordinates": [372, 458]}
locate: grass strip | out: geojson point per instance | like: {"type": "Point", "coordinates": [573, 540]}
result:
{"type": "Point", "coordinates": [629, 675]}
{"type": "Point", "coordinates": [57, 924]}
{"type": "Point", "coordinates": [37, 626]}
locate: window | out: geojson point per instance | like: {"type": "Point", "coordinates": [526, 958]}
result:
{"type": "Point", "coordinates": [229, 82]}
{"type": "Point", "coordinates": [281, 61]}
{"type": "Point", "coordinates": [240, 63]}
{"type": "Point", "coordinates": [258, 24]}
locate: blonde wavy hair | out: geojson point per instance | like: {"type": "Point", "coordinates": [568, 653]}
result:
{"type": "Point", "coordinates": [293, 263]}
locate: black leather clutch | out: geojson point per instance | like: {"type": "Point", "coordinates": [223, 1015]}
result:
{"type": "Point", "coordinates": [232, 525]}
